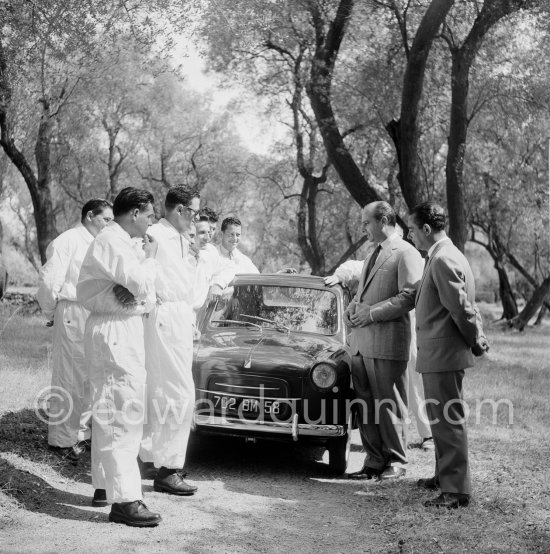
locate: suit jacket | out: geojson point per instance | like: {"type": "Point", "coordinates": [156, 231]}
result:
{"type": "Point", "coordinates": [448, 323]}
{"type": "Point", "coordinates": [390, 291]}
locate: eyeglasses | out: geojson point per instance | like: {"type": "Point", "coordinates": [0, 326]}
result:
{"type": "Point", "coordinates": [194, 213]}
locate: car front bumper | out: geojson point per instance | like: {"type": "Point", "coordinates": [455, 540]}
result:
{"type": "Point", "coordinates": [261, 427]}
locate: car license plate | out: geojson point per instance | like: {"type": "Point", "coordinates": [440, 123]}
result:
{"type": "Point", "coordinates": [246, 405]}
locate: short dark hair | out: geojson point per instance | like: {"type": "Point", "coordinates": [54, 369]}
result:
{"type": "Point", "coordinates": [382, 209]}
{"type": "Point", "coordinates": [180, 194]}
{"type": "Point", "coordinates": [96, 206]}
{"type": "Point", "coordinates": [131, 198]}
{"type": "Point", "coordinates": [230, 221]}
{"type": "Point", "coordinates": [431, 214]}
{"type": "Point", "coordinates": [209, 214]}
{"type": "Point", "coordinates": [203, 218]}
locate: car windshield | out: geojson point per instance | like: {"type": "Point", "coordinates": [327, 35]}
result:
{"type": "Point", "coordinates": [284, 308]}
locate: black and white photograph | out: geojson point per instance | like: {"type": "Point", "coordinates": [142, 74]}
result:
{"type": "Point", "coordinates": [274, 276]}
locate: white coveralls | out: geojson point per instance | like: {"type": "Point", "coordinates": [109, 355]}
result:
{"type": "Point", "coordinates": [57, 298]}
{"type": "Point", "coordinates": [349, 273]}
{"type": "Point", "coordinates": [417, 403]}
{"type": "Point", "coordinates": [115, 355]}
{"type": "Point", "coordinates": [169, 353]}
{"type": "Point", "coordinates": [241, 262]}
{"type": "Point", "coordinates": [212, 270]}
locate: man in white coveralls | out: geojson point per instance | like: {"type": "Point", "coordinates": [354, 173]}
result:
{"type": "Point", "coordinates": [169, 346]}
{"type": "Point", "coordinates": [115, 353]}
{"type": "Point", "coordinates": [57, 298]}
{"type": "Point", "coordinates": [213, 273]}
{"type": "Point", "coordinates": [231, 238]}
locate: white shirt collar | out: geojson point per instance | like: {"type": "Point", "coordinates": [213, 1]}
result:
{"type": "Point", "coordinates": [386, 242]}
{"type": "Point", "coordinates": [432, 247]}
{"type": "Point", "coordinates": [118, 229]}
{"type": "Point", "coordinates": [227, 253]}
{"type": "Point", "coordinates": [86, 235]}
{"type": "Point", "coordinates": [169, 228]}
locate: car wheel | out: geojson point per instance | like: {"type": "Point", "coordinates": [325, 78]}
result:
{"type": "Point", "coordinates": [339, 449]}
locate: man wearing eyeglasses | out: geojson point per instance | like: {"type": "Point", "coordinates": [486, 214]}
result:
{"type": "Point", "coordinates": [169, 346]}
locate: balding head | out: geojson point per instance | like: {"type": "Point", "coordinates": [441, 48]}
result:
{"type": "Point", "coordinates": [382, 209]}
{"type": "Point", "coordinates": [378, 221]}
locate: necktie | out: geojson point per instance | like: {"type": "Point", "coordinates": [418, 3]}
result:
{"type": "Point", "coordinates": [372, 261]}
{"type": "Point", "coordinates": [426, 260]}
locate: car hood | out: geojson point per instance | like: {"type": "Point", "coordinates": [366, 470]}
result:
{"type": "Point", "coordinates": [272, 348]}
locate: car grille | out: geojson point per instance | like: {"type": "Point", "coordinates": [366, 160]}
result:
{"type": "Point", "coordinates": [249, 397]}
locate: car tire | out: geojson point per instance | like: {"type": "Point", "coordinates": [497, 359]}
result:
{"type": "Point", "coordinates": [339, 449]}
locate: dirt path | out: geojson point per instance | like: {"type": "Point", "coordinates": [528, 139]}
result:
{"type": "Point", "coordinates": [266, 497]}
{"type": "Point", "coordinates": [252, 498]}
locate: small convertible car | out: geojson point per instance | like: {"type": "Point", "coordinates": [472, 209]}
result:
{"type": "Point", "coordinates": [271, 363]}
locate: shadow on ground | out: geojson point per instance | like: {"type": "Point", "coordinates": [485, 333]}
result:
{"type": "Point", "coordinates": [24, 434]}
{"type": "Point", "coordinates": [36, 495]}
{"type": "Point", "coordinates": [23, 437]}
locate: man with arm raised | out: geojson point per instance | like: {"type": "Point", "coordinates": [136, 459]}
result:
{"type": "Point", "coordinates": [115, 353]}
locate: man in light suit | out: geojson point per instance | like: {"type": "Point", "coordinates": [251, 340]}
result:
{"type": "Point", "coordinates": [379, 343]}
{"type": "Point", "coordinates": [448, 329]}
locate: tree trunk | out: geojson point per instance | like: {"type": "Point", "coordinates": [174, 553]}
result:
{"type": "Point", "coordinates": [39, 184]}
{"type": "Point", "coordinates": [42, 197]}
{"type": "Point", "coordinates": [3, 268]}
{"type": "Point", "coordinates": [509, 304]}
{"type": "Point", "coordinates": [394, 130]}
{"type": "Point", "coordinates": [413, 83]}
{"type": "Point", "coordinates": [318, 267]}
{"type": "Point", "coordinates": [112, 165]}
{"type": "Point", "coordinates": [319, 92]}
{"type": "Point", "coordinates": [39, 189]}
{"type": "Point", "coordinates": [542, 314]}
{"type": "Point", "coordinates": [462, 58]}
{"type": "Point", "coordinates": [337, 151]}
{"type": "Point", "coordinates": [458, 231]}
{"type": "Point", "coordinates": [533, 305]}
{"type": "Point", "coordinates": [307, 227]}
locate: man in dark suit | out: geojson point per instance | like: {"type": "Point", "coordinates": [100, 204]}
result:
{"type": "Point", "coordinates": [379, 343]}
{"type": "Point", "coordinates": [448, 330]}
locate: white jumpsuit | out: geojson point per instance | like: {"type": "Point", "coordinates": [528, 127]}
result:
{"type": "Point", "coordinates": [212, 269]}
{"type": "Point", "coordinates": [349, 273]}
{"type": "Point", "coordinates": [241, 262]}
{"type": "Point", "coordinates": [115, 355]}
{"type": "Point", "coordinates": [57, 298]}
{"type": "Point", "coordinates": [169, 353]}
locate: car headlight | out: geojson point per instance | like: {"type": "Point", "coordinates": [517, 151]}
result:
{"type": "Point", "coordinates": [324, 376]}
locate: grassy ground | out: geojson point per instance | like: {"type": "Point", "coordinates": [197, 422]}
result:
{"type": "Point", "coordinates": [25, 345]}
{"type": "Point", "coordinates": [271, 499]}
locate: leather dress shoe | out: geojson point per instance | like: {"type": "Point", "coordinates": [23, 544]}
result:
{"type": "Point", "coordinates": [134, 514]}
{"type": "Point", "coordinates": [174, 484]}
{"type": "Point", "coordinates": [428, 445]}
{"type": "Point", "coordinates": [100, 498]}
{"type": "Point", "coordinates": [393, 472]}
{"type": "Point", "coordinates": [71, 453]}
{"type": "Point", "coordinates": [364, 474]}
{"type": "Point", "coordinates": [448, 500]}
{"type": "Point", "coordinates": [85, 444]}
{"type": "Point", "coordinates": [147, 470]}
{"type": "Point", "coordinates": [431, 483]}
